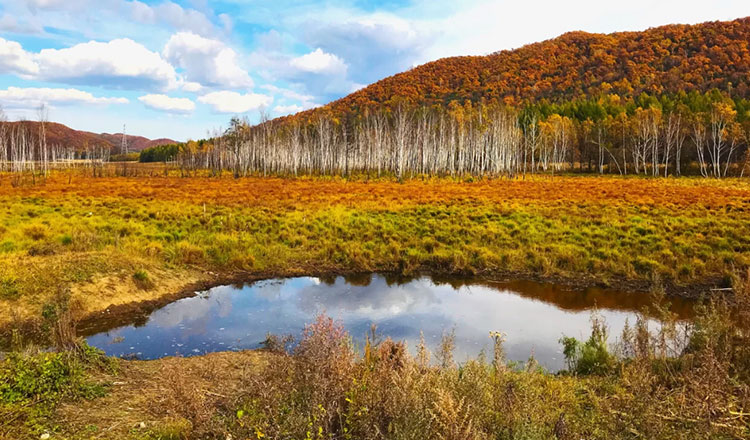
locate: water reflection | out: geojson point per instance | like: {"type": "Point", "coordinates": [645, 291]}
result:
{"type": "Point", "coordinates": [534, 316]}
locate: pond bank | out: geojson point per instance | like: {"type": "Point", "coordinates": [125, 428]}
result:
{"type": "Point", "coordinates": [184, 284]}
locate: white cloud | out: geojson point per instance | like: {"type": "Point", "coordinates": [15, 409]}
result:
{"type": "Point", "coordinates": [206, 61]}
{"type": "Point", "coordinates": [120, 63]}
{"type": "Point", "coordinates": [282, 110]}
{"type": "Point", "coordinates": [29, 98]}
{"type": "Point", "coordinates": [110, 15]}
{"type": "Point", "coordinates": [10, 23]}
{"type": "Point", "coordinates": [497, 25]}
{"type": "Point", "coordinates": [142, 12]}
{"type": "Point", "coordinates": [13, 59]}
{"type": "Point", "coordinates": [190, 86]}
{"type": "Point", "coordinates": [233, 102]}
{"type": "Point", "coordinates": [167, 104]}
{"type": "Point", "coordinates": [306, 100]}
{"type": "Point", "coordinates": [374, 45]}
{"type": "Point", "coordinates": [317, 73]}
{"type": "Point", "coordinates": [319, 62]}
{"type": "Point", "coordinates": [183, 19]}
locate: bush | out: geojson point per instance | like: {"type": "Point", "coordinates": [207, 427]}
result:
{"type": "Point", "coordinates": [187, 253]}
{"type": "Point", "coordinates": [66, 240]}
{"type": "Point", "coordinates": [36, 232]}
{"type": "Point", "coordinates": [644, 266]}
{"type": "Point", "coordinates": [592, 356]}
{"type": "Point", "coordinates": [143, 280]}
{"type": "Point", "coordinates": [9, 288]}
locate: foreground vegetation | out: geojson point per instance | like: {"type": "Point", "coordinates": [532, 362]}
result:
{"type": "Point", "coordinates": [72, 245]}
{"type": "Point", "coordinates": [666, 383]}
{"type": "Point", "coordinates": [124, 240]}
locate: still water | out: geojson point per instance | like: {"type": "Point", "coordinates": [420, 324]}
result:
{"type": "Point", "coordinates": [533, 316]}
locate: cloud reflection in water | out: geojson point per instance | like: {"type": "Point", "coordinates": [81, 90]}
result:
{"type": "Point", "coordinates": [533, 316]}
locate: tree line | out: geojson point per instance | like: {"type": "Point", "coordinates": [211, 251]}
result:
{"type": "Point", "coordinates": [696, 134]}
{"type": "Point", "coordinates": [24, 148]}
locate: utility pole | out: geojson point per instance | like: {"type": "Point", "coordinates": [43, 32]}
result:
{"type": "Point", "coordinates": [124, 146]}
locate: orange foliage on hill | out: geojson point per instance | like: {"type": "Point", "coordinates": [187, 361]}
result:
{"type": "Point", "coordinates": [667, 59]}
{"type": "Point", "coordinates": [59, 134]}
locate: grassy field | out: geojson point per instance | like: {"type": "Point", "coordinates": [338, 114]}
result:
{"type": "Point", "coordinates": [126, 240]}
{"type": "Point", "coordinates": [323, 389]}
{"type": "Point", "coordinates": [74, 245]}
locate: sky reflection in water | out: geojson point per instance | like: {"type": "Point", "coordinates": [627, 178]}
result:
{"type": "Point", "coordinates": [534, 316]}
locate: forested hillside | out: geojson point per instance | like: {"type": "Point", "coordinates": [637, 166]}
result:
{"type": "Point", "coordinates": [667, 101]}
{"type": "Point", "coordinates": [664, 60]}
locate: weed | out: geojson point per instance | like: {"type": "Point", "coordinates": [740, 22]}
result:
{"type": "Point", "coordinates": [9, 288]}
{"type": "Point", "coordinates": [592, 356]}
{"type": "Point", "coordinates": [142, 279]}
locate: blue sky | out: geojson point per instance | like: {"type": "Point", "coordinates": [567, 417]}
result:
{"type": "Point", "coordinates": [179, 68]}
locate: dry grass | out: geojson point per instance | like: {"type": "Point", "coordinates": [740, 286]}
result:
{"type": "Point", "coordinates": [181, 392]}
{"type": "Point", "coordinates": [93, 234]}
{"type": "Point", "coordinates": [387, 194]}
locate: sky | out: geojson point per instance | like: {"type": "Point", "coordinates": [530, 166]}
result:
{"type": "Point", "coordinates": [182, 68]}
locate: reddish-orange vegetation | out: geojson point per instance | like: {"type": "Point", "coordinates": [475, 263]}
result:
{"type": "Point", "coordinates": [667, 59]}
{"type": "Point", "coordinates": [59, 134]}
{"type": "Point", "coordinates": [97, 235]}
{"type": "Point", "coordinates": [304, 192]}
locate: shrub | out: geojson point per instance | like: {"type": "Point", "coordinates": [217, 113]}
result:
{"type": "Point", "coordinates": [154, 249]}
{"type": "Point", "coordinates": [644, 266]}
{"type": "Point", "coordinates": [34, 383]}
{"type": "Point", "coordinates": [36, 232]}
{"type": "Point", "coordinates": [592, 356]}
{"type": "Point", "coordinates": [9, 288]}
{"type": "Point", "coordinates": [143, 280]}
{"type": "Point", "coordinates": [188, 253]}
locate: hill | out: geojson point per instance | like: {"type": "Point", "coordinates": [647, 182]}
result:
{"type": "Point", "coordinates": [662, 60]}
{"type": "Point", "coordinates": [668, 100]}
{"type": "Point", "coordinates": [135, 143]}
{"type": "Point", "coordinates": [62, 135]}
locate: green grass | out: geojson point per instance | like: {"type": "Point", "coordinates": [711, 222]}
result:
{"type": "Point", "coordinates": [32, 384]}
{"type": "Point", "coordinates": [72, 239]}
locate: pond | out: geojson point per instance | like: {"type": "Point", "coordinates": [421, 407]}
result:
{"type": "Point", "coordinates": [533, 316]}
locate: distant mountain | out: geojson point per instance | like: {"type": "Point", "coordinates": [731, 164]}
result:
{"type": "Point", "coordinates": [135, 143]}
{"type": "Point", "coordinates": [662, 60]}
{"type": "Point", "coordinates": [60, 134]}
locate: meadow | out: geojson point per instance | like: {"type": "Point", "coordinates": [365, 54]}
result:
{"type": "Point", "coordinates": [74, 246]}
{"type": "Point", "coordinates": [115, 240]}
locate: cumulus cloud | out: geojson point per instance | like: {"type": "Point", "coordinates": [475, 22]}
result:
{"type": "Point", "coordinates": [282, 110]}
{"type": "Point", "coordinates": [190, 86]}
{"type": "Point", "coordinates": [206, 61]}
{"type": "Point", "coordinates": [294, 102]}
{"type": "Point", "coordinates": [183, 19]}
{"type": "Point", "coordinates": [167, 104]}
{"type": "Point", "coordinates": [289, 94]}
{"type": "Point", "coordinates": [33, 97]}
{"type": "Point", "coordinates": [233, 102]}
{"type": "Point", "coordinates": [120, 63]}
{"type": "Point", "coordinates": [319, 62]}
{"type": "Point", "coordinates": [318, 73]}
{"type": "Point", "coordinates": [374, 46]}
{"type": "Point", "coordinates": [15, 60]}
